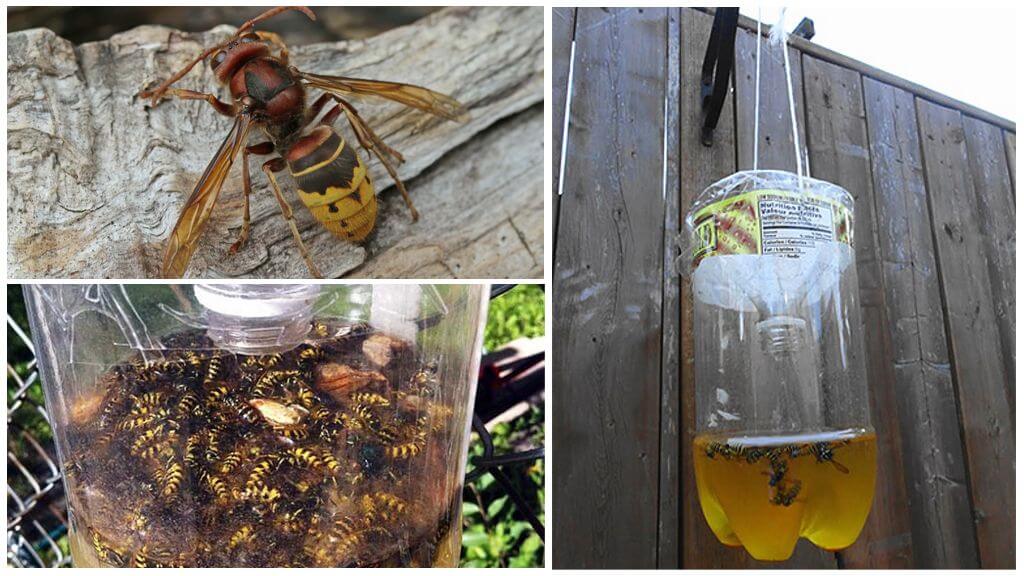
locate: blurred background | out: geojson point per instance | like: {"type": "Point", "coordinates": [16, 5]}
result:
{"type": "Point", "coordinates": [87, 24]}
{"type": "Point", "coordinates": [510, 400]}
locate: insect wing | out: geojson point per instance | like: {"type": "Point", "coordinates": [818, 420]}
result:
{"type": "Point", "coordinates": [415, 96]}
{"type": "Point", "coordinates": [185, 236]}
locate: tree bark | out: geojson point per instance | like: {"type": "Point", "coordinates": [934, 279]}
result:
{"type": "Point", "coordinates": [97, 178]}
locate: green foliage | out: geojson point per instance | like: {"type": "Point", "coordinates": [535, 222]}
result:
{"type": "Point", "coordinates": [495, 533]}
{"type": "Point", "coordinates": [517, 314]}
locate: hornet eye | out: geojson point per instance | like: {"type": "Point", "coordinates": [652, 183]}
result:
{"type": "Point", "coordinates": [218, 59]}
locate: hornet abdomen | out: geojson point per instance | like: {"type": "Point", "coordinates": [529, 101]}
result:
{"type": "Point", "coordinates": [333, 183]}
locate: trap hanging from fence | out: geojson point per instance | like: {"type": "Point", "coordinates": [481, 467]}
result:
{"type": "Point", "coordinates": [249, 425]}
{"type": "Point", "coordinates": [784, 446]}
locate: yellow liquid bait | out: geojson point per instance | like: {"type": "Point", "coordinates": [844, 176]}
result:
{"type": "Point", "coordinates": [765, 492]}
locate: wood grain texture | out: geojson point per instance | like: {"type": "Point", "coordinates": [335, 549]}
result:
{"type": "Point", "coordinates": [978, 366]}
{"type": "Point", "coordinates": [998, 218]}
{"type": "Point", "coordinates": [699, 167]}
{"type": "Point", "coordinates": [838, 151]}
{"type": "Point", "coordinates": [775, 133]}
{"type": "Point", "coordinates": [502, 235]}
{"type": "Point", "coordinates": [563, 27]}
{"type": "Point", "coordinates": [97, 178]}
{"type": "Point", "coordinates": [669, 483]}
{"type": "Point", "coordinates": [608, 292]}
{"type": "Point", "coordinates": [933, 467]}
{"type": "Point", "coordinates": [1010, 139]}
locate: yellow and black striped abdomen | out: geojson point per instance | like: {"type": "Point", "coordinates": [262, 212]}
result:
{"type": "Point", "coordinates": [333, 183]}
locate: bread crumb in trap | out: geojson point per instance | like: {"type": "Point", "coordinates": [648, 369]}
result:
{"type": "Point", "coordinates": [321, 456]}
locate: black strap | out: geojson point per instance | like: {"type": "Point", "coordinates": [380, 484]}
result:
{"type": "Point", "coordinates": [717, 69]}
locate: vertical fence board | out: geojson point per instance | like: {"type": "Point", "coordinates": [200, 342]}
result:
{"type": "Point", "coordinates": [608, 292]}
{"type": "Point", "coordinates": [837, 142]}
{"type": "Point", "coordinates": [699, 167]}
{"type": "Point", "coordinates": [775, 132]}
{"type": "Point", "coordinates": [668, 482]}
{"type": "Point", "coordinates": [940, 512]}
{"type": "Point", "coordinates": [563, 24]}
{"type": "Point", "coordinates": [977, 361]}
{"type": "Point", "coordinates": [1011, 158]}
{"type": "Point", "coordinates": [997, 218]}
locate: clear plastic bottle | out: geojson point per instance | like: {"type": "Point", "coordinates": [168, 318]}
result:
{"type": "Point", "coordinates": [245, 425]}
{"type": "Point", "coordinates": [784, 446]}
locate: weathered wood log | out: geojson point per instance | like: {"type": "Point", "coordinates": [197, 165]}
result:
{"type": "Point", "coordinates": [97, 178]}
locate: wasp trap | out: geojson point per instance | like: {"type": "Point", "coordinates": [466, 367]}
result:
{"type": "Point", "coordinates": [261, 425]}
{"type": "Point", "coordinates": [784, 446]}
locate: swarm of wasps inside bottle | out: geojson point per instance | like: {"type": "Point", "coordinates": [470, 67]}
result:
{"type": "Point", "coordinates": [784, 489]}
{"type": "Point", "coordinates": [337, 453]}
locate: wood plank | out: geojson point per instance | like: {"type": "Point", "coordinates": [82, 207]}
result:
{"type": "Point", "coordinates": [775, 130]}
{"type": "Point", "coordinates": [669, 455]}
{"type": "Point", "coordinates": [838, 149]}
{"type": "Point", "coordinates": [978, 367]}
{"type": "Point", "coordinates": [997, 216]}
{"type": "Point", "coordinates": [563, 27]}
{"type": "Point", "coordinates": [700, 166]}
{"type": "Point", "coordinates": [608, 293]}
{"type": "Point", "coordinates": [1011, 157]}
{"type": "Point", "coordinates": [934, 472]}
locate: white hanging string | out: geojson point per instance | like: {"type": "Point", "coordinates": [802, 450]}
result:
{"type": "Point", "coordinates": [757, 87]}
{"type": "Point", "coordinates": [778, 35]}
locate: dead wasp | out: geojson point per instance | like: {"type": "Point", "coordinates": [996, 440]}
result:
{"type": "Point", "coordinates": [785, 497]}
{"type": "Point", "coordinates": [268, 93]}
{"type": "Point", "coordinates": [311, 353]}
{"type": "Point", "coordinates": [214, 371]}
{"type": "Point", "coordinates": [216, 486]}
{"type": "Point", "coordinates": [822, 452]}
{"type": "Point", "coordinates": [230, 462]}
{"type": "Point", "coordinates": [243, 536]}
{"type": "Point", "coordinates": [369, 399]}
{"type": "Point", "coordinates": [170, 479]}
{"type": "Point", "coordinates": [403, 451]}
{"type": "Point", "coordinates": [303, 458]}
{"type": "Point", "coordinates": [104, 552]}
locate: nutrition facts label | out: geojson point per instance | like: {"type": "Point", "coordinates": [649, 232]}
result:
{"type": "Point", "coordinates": [792, 226]}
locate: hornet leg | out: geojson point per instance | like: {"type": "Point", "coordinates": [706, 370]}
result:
{"type": "Point", "coordinates": [261, 149]}
{"type": "Point", "coordinates": [277, 165]}
{"type": "Point", "coordinates": [220, 106]}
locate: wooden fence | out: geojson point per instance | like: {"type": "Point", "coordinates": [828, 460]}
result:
{"type": "Point", "coordinates": [934, 183]}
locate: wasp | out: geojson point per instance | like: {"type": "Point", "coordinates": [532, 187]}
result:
{"type": "Point", "coordinates": [214, 371]}
{"type": "Point", "coordinates": [268, 93]}
{"type": "Point", "coordinates": [330, 462]}
{"type": "Point", "coordinates": [104, 552]}
{"type": "Point", "coordinates": [262, 493]}
{"type": "Point", "coordinates": [320, 330]}
{"type": "Point", "coordinates": [243, 536]}
{"type": "Point", "coordinates": [822, 452]}
{"type": "Point", "coordinates": [303, 458]}
{"type": "Point", "coordinates": [230, 462]}
{"type": "Point", "coordinates": [170, 479]}
{"type": "Point", "coordinates": [784, 497]}
{"type": "Point", "coordinates": [217, 487]}
{"type": "Point", "coordinates": [311, 353]}
{"type": "Point", "coordinates": [142, 559]}
{"type": "Point", "coordinates": [193, 446]}
{"type": "Point", "coordinates": [387, 506]}
{"type": "Point", "coordinates": [370, 399]}
{"type": "Point", "coordinates": [403, 451]}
